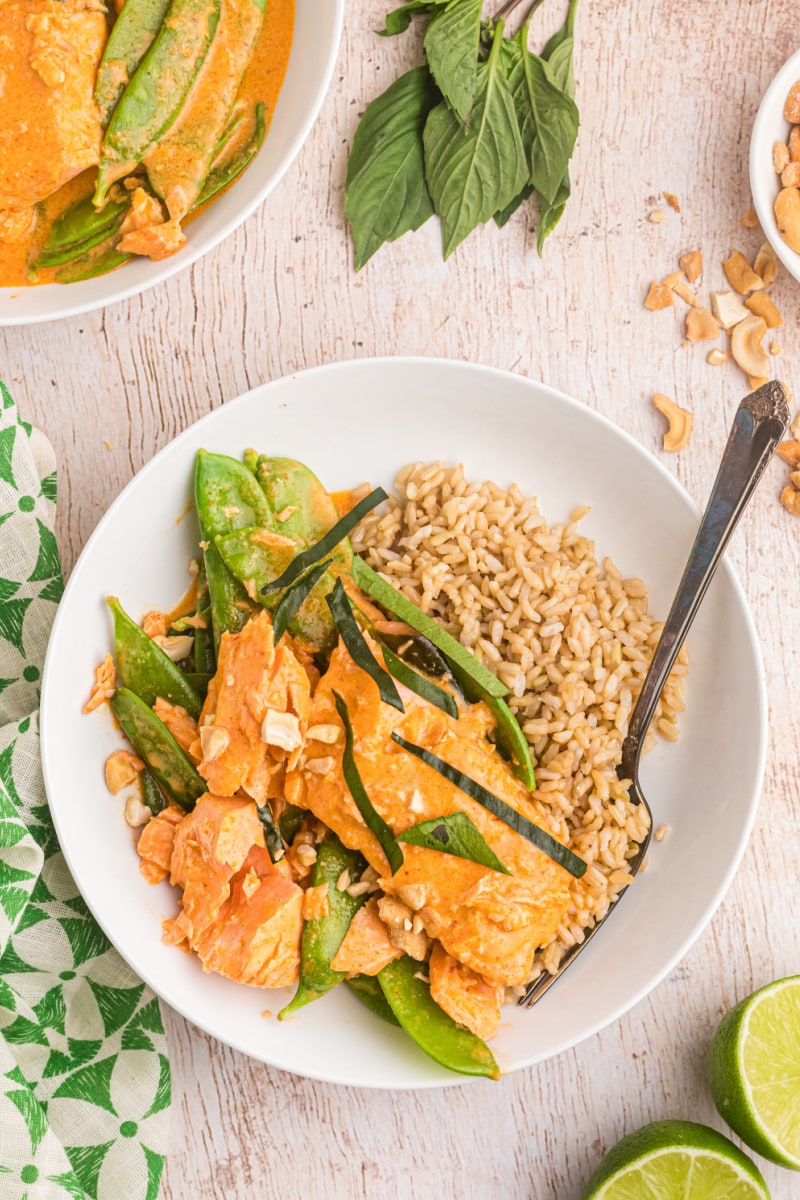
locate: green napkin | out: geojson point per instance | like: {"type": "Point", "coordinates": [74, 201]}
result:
{"type": "Point", "coordinates": [84, 1073]}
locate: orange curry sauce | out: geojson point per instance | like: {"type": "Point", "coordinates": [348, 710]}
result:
{"type": "Point", "coordinates": [262, 83]}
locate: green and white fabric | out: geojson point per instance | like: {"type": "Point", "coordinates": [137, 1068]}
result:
{"type": "Point", "coordinates": [84, 1073]}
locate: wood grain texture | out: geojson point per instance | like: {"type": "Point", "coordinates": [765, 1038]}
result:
{"type": "Point", "coordinates": [667, 92]}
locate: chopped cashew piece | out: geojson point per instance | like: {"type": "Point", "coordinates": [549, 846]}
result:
{"type": "Point", "coordinates": [746, 348]}
{"type": "Point", "coordinates": [790, 499]}
{"type": "Point", "coordinates": [681, 422]}
{"type": "Point", "coordinates": [686, 293]}
{"type": "Point", "coordinates": [701, 325]}
{"type": "Point", "coordinates": [760, 304]}
{"type": "Point", "coordinates": [780, 157]}
{"type": "Point", "coordinates": [659, 296]}
{"type": "Point", "coordinates": [728, 309]}
{"type": "Point", "coordinates": [691, 264]}
{"type": "Point", "coordinates": [794, 144]}
{"type": "Point", "coordinates": [105, 681]}
{"type": "Point", "coordinates": [717, 357]}
{"type": "Point", "coordinates": [775, 348]}
{"type": "Point", "coordinates": [656, 216]}
{"type": "Point", "coordinates": [323, 733]}
{"type": "Point", "coordinates": [791, 109]}
{"type": "Point", "coordinates": [787, 216]}
{"type": "Point", "coordinates": [213, 742]}
{"type": "Point", "coordinates": [136, 813]}
{"type": "Point", "coordinates": [672, 201]}
{"type": "Point", "coordinates": [122, 768]}
{"type": "Point", "coordinates": [281, 729]}
{"type": "Point", "coordinates": [740, 275]}
{"type": "Point", "coordinates": [789, 452]}
{"type": "Point", "coordinates": [790, 175]}
{"type": "Point", "coordinates": [674, 278]}
{"type": "Point", "coordinates": [749, 219]}
{"type": "Point", "coordinates": [756, 381]}
{"type": "Point", "coordinates": [177, 647]}
{"type": "Point", "coordinates": [766, 264]}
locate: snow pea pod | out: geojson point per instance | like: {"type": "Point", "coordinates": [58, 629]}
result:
{"type": "Point", "coordinates": [322, 936]}
{"type": "Point", "coordinates": [153, 99]}
{"type": "Point", "coordinates": [152, 796]}
{"type": "Point", "coordinates": [368, 991]}
{"type": "Point", "coordinates": [199, 680]}
{"type": "Point", "coordinates": [132, 35]}
{"type": "Point", "coordinates": [145, 669]}
{"type": "Point", "coordinates": [80, 228]}
{"type": "Point", "coordinates": [221, 176]}
{"type": "Point", "coordinates": [429, 1026]}
{"type": "Point", "coordinates": [227, 498]}
{"type": "Point", "coordinates": [307, 510]}
{"type": "Point", "coordinates": [152, 741]}
{"type": "Point", "coordinates": [90, 265]}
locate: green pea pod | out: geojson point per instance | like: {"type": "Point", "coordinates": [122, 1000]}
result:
{"type": "Point", "coordinates": [95, 263]}
{"type": "Point", "coordinates": [153, 99]}
{"type": "Point", "coordinates": [227, 498]}
{"type": "Point", "coordinates": [145, 669]}
{"type": "Point", "coordinates": [308, 512]}
{"type": "Point", "coordinates": [290, 821]}
{"type": "Point", "coordinates": [79, 229]}
{"type": "Point", "coordinates": [429, 1026]}
{"type": "Point", "coordinates": [368, 991]}
{"type": "Point", "coordinates": [222, 176]}
{"type": "Point", "coordinates": [250, 457]}
{"type": "Point", "coordinates": [199, 680]}
{"type": "Point", "coordinates": [512, 742]}
{"type": "Point", "coordinates": [248, 559]}
{"type": "Point", "coordinates": [132, 35]}
{"type": "Point", "coordinates": [152, 795]}
{"type": "Point", "coordinates": [152, 741]}
{"type": "Point", "coordinates": [322, 936]}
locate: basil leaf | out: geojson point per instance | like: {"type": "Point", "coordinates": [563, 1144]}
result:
{"type": "Point", "coordinates": [548, 118]}
{"type": "Point", "coordinates": [357, 646]}
{"type": "Point", "coordinates": [567, 30]}
{"type": "Point", "coordinates": [399, 19]}
{"type": "Point", "coordinates": [456, 835]}
{"type": "Point", "coordinates": [532, 833]}
{"type": "Point", "coordinates": [386, 194]}
{"type": "Point", "coordinates": [451, 45]}
{"type": "Point", "coordinates": [294, 597]}
{"type": "Point", "coordinates": [476, 169]}
{"type": "Point", "coordinates": [504, 215]}
{"type": "Point", "coordinates": [551, 214]}
{"type": "Point", "coordinates": [418, 683]}
{"type": "Point", "coordinates": [372, 818]}
{"type": "Point", "coordinates": [272, 837]}
{"type": "Point", "coordinates": [560, 63]}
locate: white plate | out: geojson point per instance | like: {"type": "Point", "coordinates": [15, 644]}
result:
{"type": "Point", "coordinates": [317, 32]}
{"type": "Point", "coordinates": [771, 126]}
{"type": "Point", "coordinates": [363, 420]}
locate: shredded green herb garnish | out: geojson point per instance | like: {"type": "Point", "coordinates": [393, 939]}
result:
{"type": "Point", "coordinates": [352, 778]}
{"type": "Point", "coordinates": [335, 534]}
{"type": "Point", "coordinates": [357, 646]}
{"type": "Point", "coordinates": [415, 682]}
{"type": "Point", "coordinates": [456, 835]}
{"type": "Point", "coordinates": [533, 833]}
{"type": "Point", "coordinates": [293, 598]}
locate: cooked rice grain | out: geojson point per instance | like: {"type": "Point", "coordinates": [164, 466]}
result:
{"type": "Point", "coordinates": [569, 637]}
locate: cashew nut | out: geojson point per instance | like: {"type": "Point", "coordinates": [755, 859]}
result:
{"type": "Point", "coordinates": [659, 296]}
{"type": "Point", "coordinates": [746, 348]}
{"type": "Point", "coordinates": [787, 215]}
{"type": "Point", "coordinates": [790, 499]}
{"type": "Point", "coordinates": [780, 157]}
{"type": "Point", "coordinates": [176, 648]}
{"type": "Point", "coordinates": [766, 264]}
{"type": "Point", "coordinates": [728, 309]}
{"type": "Point", "coordinates": [789, 452]}
{"type": "Point", "coordinates": [740, 275]}
{"type": "Point", "coordinates": [790, 175]}
{"type": "Point", "coordinates": [700, 325]}
{"type": "Point", "coordinates": [213, 742]}
{"type": "Point", "coordinates": [760, 304]}
{"type": "Point", "coordinates": [681, 422]}
{"type": "Point", "coordinates": [794, 144]}
{"type": "Point", "coordinates": [716, 357]}
{"type": "Point", "coordinates": [691, 264]}
{"type": "Point", "coordinates": [681, 289]}
{"type": "Point", "coordinates": [791, 109]}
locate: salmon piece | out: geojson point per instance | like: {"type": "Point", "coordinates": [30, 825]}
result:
{"type": "Point", "coordinates": [157, 842]}
{"type": "Point", "coordinates": [492, 922]}
{"type": "Point", "coordinates": [316, 902]}
{"type": "Point", "coordinates": [366, 947]}
{"type": "Point", "coordinates": [177, 720]}
{"type": "Point", "coordinates": [464, 995]}
{"type": "Point", "coordinates": [211, 846]}
{"type": "Point", "coordinates": [144, 210]}
{"type": "Point", "coordinates": [255, 938]}
{"type": "Point", "coordinates": [253, 676]}
{"type": "Point", "coordinates": [49, 124]}
{"type": "Point", "coordinates": [155, 242]}
{"type": "Point", "coordinates": [105, 682]}
{"type": "Point", "coordinates": [155, 624]}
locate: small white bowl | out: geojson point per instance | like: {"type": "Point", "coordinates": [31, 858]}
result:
{"type": "Point", "coordinates": [317, 33]}
{"type": "Point", "coordinates": [770, 127]}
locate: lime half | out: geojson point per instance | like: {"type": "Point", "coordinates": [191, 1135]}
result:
{"type": "Point", "coordinates": [754, 1071]}
{"type": "Point", "coordinates": [676, 1160]}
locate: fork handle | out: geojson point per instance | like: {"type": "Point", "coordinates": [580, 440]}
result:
{"type": "Point", "coordinates": [758, 427]}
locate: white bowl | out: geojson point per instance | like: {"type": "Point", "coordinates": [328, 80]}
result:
{"type": "Point", "coordinates": [315, 45]}
{"type": "Point", "coordinates": [363, 420]}
{"type": "Point", "coordinates": [771, 126]}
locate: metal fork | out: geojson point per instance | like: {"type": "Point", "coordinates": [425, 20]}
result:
{"type": "Point", "coordinates": [758, 427]}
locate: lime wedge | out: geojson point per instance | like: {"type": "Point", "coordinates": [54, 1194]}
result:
{"type": "Point", "coordinates": [754, 1071]}
{"type": "Point", "coordinates": [676, 1159]}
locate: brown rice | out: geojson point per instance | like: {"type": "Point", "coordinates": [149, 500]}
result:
{"type": "Point", "coordinates": [568, 635]}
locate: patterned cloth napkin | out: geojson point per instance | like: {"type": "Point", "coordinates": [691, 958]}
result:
{"type": "Point", "coordinates": [84, 1074]}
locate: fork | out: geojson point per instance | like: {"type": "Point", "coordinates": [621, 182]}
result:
{"type": "Point", "coordinates": [758, 427]}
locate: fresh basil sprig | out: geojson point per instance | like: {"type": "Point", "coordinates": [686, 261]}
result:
{"type": "Point", "coordinates": [470, 136]}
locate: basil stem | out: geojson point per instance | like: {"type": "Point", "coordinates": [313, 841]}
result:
{"type": "Point", "coordinates": [352, 778]}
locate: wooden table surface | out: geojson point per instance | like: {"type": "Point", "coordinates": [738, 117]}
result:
{"type": "Point", "coordinates": [667, 93]}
